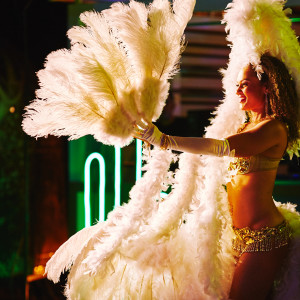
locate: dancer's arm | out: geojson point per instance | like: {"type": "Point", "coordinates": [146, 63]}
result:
{"type": "Point", "coordinates": [262, 137]}
{"type": "Point", "coordinates": [196, 145]}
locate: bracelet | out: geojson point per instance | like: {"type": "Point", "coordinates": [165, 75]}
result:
{"type": "Point", "coordinates": [167, 142]}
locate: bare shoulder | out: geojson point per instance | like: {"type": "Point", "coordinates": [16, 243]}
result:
{"type": "Point", "coordinates": [274, 130]}
{"type": "Point", "coordinates": [267, 137]}
{"type": "Point", "coordinates": [272, 125]}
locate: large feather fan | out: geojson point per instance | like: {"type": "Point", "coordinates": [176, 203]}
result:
{"type": "Point", "coordinates": [116, 72]}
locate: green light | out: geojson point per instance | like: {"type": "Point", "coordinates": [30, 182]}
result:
{"type": "Point", "coordinates": [80, 211]}
{"type": "Point", "coordinates": [117, 176]}
{"type": "Point", "coordinates": [295, 20]}
{"type": "Point", "coordinates": [163, 195]}
{"type": "Point", "coordinates": [139, 150]}
{"type": "Point", "coordinates": [102, 181]}
{"type": "Point", "coordinates": [87, 187]}
{"type": "Point", "coordinates": [287, 182]}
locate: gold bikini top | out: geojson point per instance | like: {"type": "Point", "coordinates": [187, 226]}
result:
{"type": "Point", "coordinates": [245, 165]}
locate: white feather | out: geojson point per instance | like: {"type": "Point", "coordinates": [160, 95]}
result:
{"type": "Point", "coordinates": [254, 28]}
{"type": "Point", "coordinates": [115, 73]}
{"type": "Point", "coordinates": [128, 221]}
{"type": "Point", "coordinates": [67, 253]}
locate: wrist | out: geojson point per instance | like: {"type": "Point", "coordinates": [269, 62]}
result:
{"type": "Point", "coordinates": [168, 142]}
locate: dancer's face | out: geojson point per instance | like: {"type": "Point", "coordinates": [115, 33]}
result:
{"type": "Point", "coordinates": [251, 91]}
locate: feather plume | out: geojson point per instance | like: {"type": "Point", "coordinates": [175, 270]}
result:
{"type": "Point", "coordinates": [161, 30]}
{"type": "Point", "coordinates": [247, 23]}
{"type": "Point", "coordinates": [66, 254]}
{"type": "Point", "coordinates": [170, 213]}
{"type": "Point", "coordinates": [121, 223]}
{"type": "Point", "coordinates": [116, 73]}
{"type": "Point", "coordinates": [141, 206]}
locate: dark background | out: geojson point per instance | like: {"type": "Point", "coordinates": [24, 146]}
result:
{"type": "Point", "coordinates": [33, 202]}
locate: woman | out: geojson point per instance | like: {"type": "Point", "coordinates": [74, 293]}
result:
{"type": "Point", "coordinates": [262, 235]}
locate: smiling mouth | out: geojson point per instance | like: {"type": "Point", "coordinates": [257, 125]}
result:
{"type": "Point", "coordinates": [242, 99]}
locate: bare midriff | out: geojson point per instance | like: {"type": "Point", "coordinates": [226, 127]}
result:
{"type": "Point", "coordinates": [251, 202]}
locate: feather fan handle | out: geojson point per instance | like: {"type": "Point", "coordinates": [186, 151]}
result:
{"type": "Point", "coordinates": [115, 73]}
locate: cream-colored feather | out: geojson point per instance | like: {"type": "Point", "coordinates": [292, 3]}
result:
{"type": "Point", "coordinates": [161, 30]}
{"type": "Point", "coordinates": [116, 73]}
{"type": "Point", "coordinates": [257, 27]}
{"type": "Point", "coordinates": [78, 94]}
{"type": "Point", "coordinates": [65, 256]}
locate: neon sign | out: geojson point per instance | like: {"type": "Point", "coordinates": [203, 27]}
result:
{"type": "Point", "coordinates": [117, 184]}
{"type": "Point", "coordinates": [102, 180]}
{"type": "Point", "coordinates": [87, 188]}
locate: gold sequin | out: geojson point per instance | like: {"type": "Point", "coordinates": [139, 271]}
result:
{"type": "Point", "coordinates": [240, 164]}
{"type": "Point", "coordinates": [264, 239]}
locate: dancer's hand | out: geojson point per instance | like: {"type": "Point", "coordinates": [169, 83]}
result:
{"type": "Point", "coordinates": [148, 133]}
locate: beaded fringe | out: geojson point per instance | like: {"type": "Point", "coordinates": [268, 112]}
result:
{"type": "Point", "coordinates": [261, 240]}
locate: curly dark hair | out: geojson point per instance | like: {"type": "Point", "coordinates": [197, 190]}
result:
{"type": "Point", "coordinates": [282, 97]}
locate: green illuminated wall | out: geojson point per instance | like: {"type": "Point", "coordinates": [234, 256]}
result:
{"type": "Point", "coordinates": [122, 167]}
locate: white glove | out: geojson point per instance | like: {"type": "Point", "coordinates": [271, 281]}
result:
{"type": "Point", "coordinates": [207, 146]}
{"type": "Point", "coordinates": [152, 135]}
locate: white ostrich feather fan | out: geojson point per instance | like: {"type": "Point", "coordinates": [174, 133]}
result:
{"type": "Point", "coordinates": [115, 73]}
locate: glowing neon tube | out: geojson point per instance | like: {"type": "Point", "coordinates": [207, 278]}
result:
{"type": "Point", "coordinates": [139, 150]}
{"type": "Point", "coordinates": [117, 176]}
{"type": "Point", "coordinates": [87, 188]}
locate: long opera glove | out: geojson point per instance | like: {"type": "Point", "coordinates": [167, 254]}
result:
{"type": "Point", "coordinates": [197, 145]}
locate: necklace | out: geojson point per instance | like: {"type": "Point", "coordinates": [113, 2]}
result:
{"type": "Point", "coordinates": [244, 125]}
{"type": "Point", "coordinates": [260, 120]}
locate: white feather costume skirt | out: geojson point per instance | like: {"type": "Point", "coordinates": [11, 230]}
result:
{"type": "Point", "coordinates": [176, 248]}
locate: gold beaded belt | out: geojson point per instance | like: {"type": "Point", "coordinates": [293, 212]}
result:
{"type": "Point", "coordinates": [264, 239]}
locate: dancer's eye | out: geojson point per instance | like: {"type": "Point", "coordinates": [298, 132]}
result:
{"type": "Point", "coordinates": [244, 84]}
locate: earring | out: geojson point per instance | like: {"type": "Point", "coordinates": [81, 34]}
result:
{"type": "Point", "coordinates": [267, 110]}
